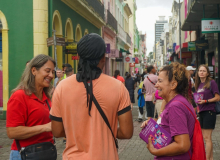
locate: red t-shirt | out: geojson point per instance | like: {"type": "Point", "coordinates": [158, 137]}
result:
{"type": "Point", "coordinates": [24, 110]}
{"type": "Point", "coordinates": [120, 78]}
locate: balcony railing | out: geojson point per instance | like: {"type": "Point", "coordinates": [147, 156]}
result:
{"type": "Point", "coordinates": [128, 39]}
{"type": "Point", "coordinates": [121, 33]}
{"type": "Point", "coordinates": [110, 20]}
{"type": "Point", "coordinates": [97, 6]}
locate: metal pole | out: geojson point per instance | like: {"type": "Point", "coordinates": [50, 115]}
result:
{"type": "Point", "coordinates": [55, 48]}
{"type": "Point", "coordinates": [180, 32]}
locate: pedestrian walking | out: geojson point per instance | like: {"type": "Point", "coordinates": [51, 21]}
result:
{"type": "Point", "coordinates": [141, 102]}
{"type": "Point", "coordinates": [149, 84]}
{"type": "Point", "coordinates": [81, 102]}
{"type": "Point", "coordinates": [130, 84]}
{"type": "Point", "coordinates": [177, 118]}
{"type": "Point", "coordinates": [28, 120]}
{"type": "Point", "coordinates": [157, 100]}
{"type": "Point", "coordinates": [118, 77]}
{"type": "Point", "coordinates": [59, 74]}
{"type": "Point", "coordinates": [138, 78]}
{"type": "Point", "coordinates": [207, 89]}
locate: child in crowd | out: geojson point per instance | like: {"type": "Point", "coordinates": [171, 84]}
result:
{"type": "Point", "coordinates": [141, 102]}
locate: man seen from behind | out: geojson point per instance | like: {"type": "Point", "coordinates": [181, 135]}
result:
{"type": "Point", "coordinates": [74, 114]}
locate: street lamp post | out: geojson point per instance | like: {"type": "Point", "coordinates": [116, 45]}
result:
{"type": "Point", "coordinates": [180, 32]}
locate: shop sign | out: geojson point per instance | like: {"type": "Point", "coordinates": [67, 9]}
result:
{"type": "Point", "coordinates": [185, 55]}
{"type": "Point", "coordinates": [128, 59]}
{"type": "Point", "coordinates": [137, 65]}
{"type": "Point", "coordinates": [75, 58]}
{"type": "Point", "coordinates": [170, 50]}
{"type": "Point", "coordinates": [119, 59]}
{"type": "Point", "coordinates": [131, 64]}
{"type": "Point", "coordinates": [112, 53]}
{"type": "Point", "coordinates": [136, 60]}
{"type": "Point", "coordinates": [202, 45]}
{"type": "Point", "coordinates": [107, 48]}
{"type": "Point", "coordinates": [191, 46]}
{"type": "Point", "coordinates": [211, 25]}
{"type": "Point", "coordinates": [71, 48]}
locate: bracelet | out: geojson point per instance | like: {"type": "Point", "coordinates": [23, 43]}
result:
{"type": "Point", "coordinates": [205, 101]}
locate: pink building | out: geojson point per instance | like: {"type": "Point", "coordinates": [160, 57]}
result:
{"type": "Point", "coordinates": [109, 33]}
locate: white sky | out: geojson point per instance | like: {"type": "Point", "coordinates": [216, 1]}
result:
{"type": "Point", "coordinates": [147, 14]}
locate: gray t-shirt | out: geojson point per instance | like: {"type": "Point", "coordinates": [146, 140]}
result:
{"type": "Point", "coordinates": [55, 82]}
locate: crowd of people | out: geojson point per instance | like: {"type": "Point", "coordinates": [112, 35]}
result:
{"type": "Point", "coordinates": [91, 110]}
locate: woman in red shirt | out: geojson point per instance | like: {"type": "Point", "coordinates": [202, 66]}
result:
{"type": "Point", "coordinates": [118, 77]}
{"type": "Point", "coordinates": [28, 107]}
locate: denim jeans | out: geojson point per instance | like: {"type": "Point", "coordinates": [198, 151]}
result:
{"type": "Point", "coordinates": [15, 155]}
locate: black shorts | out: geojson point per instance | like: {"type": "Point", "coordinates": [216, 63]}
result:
{"type": "Point", "coordinates": [207, 119]}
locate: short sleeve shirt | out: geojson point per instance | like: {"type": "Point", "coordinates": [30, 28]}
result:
{"type": "Point", "coordinates": [150, 88]}
{"type": "Point", "coordinates": [88, 137]}
{"type": "Point", "coordinates": [208, 94]}
{"type": "Point", "coordinates": [177, 120]}
{"type": "Point", "coordinates": [24, 110]}
{"type": "Point", "coordinates": [120, 78]}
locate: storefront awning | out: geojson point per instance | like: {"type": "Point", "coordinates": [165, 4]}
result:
{"type": "Point", "coordinates": [184, 48]}
{"type": "Point", "coordinates": [195, 13]}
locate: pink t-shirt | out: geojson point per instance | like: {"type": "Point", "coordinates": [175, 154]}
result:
{"type": "Point", "coordinates": [177, 120]}
{"type": "Point", "coordinates": [157, 96]}
{"type": "Point", "coordinates": [150, 88]}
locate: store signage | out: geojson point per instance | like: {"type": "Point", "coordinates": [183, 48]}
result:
{"type": "Point", "coordinates": [75, 58]}
{"type": "Point", "coordinates": [131, 65]}
{"type": "Point", "coordinates": [202, 45]}
{"type": "Point", "coordinates": [137, 65]}
{"type": "Point", "coordinates": [191, 46]}
{"type": "Point", "coordinates": [211, 25]}
{"type": "Point", "coordinates": [128, 59]}
{"type": "Point", "coordinates": [108, 48]}
{"type": "Point", "coordinates": [71, 48]}
{"type": "Point", "coordinates": [136, 60]}
{"type": "Point", "coordinates": [170, 50]}
{"type": "Point", "coordinates": [119, 60]}
{"type": "Point", "coordinates": [185, 55]}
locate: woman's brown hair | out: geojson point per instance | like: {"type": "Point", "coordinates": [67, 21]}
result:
{"type": "Point", "coordinates": [27, 82]}
{"type": "Point", "coordinates": [177, 72]}
{"type": "Point", "coordinates": [207, 81]}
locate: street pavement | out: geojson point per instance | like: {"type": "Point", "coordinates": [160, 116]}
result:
{"type": "Point", "coordinates": [132, 149]}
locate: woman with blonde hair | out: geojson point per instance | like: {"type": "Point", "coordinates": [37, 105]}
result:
{"type": "Point", "coordinates": [208, 93]}
{"type": "Point", "coordinates": [28, 121]}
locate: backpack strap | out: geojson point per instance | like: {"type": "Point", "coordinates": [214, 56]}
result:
{"type": "Point", "coordinates": [193, 116]}
{"type": "Point", "coordinates": [150, 80]}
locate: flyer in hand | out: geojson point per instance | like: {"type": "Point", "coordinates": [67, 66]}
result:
{"type": "Point", "coordinates": [160, 138]}
{"type": "Point", "coordinates": [197, 97]}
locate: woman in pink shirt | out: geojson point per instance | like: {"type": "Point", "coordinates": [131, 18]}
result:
{"type": "Point", "coordinates": [177, 118]}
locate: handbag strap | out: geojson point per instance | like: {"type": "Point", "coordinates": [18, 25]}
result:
{"type": "Point", "coordinates": [192, 115]}
{"type": "Point", "coordinates": [150, 80]}
{"type": "Point", "coordinates": [105, 119]}
{"type": "Point", "coordinates": [17, 142]}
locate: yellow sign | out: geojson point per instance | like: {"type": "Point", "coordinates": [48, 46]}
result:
{"type": "Point", "coordinates": [72, 46]}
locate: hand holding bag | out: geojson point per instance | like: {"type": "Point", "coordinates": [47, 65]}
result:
{"type": "Point", "coordinates": [39, 151]}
